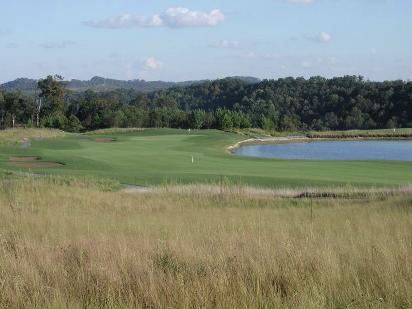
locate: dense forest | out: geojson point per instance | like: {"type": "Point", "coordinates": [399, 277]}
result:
{"type": "Point", "coordinates": [287, 104]}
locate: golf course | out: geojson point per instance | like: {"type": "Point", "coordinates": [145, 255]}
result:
{"type": "Point", "coordinates": [157, 156]}
{"type": "Point", "coordinates": [206, 154]}
{"type": "Point", "coordinates": [211, 230]}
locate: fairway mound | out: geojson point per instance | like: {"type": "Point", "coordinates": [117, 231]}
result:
{"type": "Point", "coordinates": [104, 140]}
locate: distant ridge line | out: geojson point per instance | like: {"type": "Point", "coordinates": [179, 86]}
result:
{"type": "Point", "coordinates": [98, 83]}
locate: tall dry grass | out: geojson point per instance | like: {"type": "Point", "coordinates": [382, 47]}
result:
{"type": "Point", "coordinates": [74, 247]}
{"type": "Point", "coordinates": [18, 135]}
{"type": "Point", "coordinates": [378, 133]}
{"type": "Point", "coordinates": [383, 133]}
{"type": "Point", "coordinates": [114, 131]}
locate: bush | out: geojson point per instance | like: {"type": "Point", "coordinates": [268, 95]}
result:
{"type": "Point", "coordinates": [55, 120]}
{"type": "Point", "coordinates": [73, 124]}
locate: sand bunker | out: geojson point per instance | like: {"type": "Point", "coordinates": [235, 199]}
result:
{"type": "Point", "coordinates": [104, 140]}
{"type": "Point", "coordinates": [23, 159]}
{"type": "Point", "coordinates": [33, 162]}
{"type": "Point", "coordinates": [38, 164]}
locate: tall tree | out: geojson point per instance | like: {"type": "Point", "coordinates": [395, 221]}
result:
{"type": "Point", "coordinates": [2, 109]}
{"type": "Point", "coordinates": [52, 90]}
{"type": "Point", "coordinates": [38, 102]}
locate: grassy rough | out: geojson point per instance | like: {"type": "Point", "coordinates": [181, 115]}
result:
{"type": "Point", "coordinates": [18, 135]}
{"type": "Point", "coordinates": [89, 182]}
{"type": "Point", "coordinates": [114, 131]}
{"type": "Point", "coordinates": [76, 247]}
{"type": "Point", "coordinates": [382, 133]}
{"type": "Point", "coordinates": [386, 133]}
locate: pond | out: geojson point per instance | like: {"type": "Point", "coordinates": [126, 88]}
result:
{"type": "Point", "coordinates": [400, 150]}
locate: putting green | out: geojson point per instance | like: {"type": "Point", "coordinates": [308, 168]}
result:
{"type": "Point", "coordinates": [157, 156]}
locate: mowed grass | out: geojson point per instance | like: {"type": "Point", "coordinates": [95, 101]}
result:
{"type": "Point", "coordinates": [156, 156]}
{"type": "Point", "coordinates": [72, 246]}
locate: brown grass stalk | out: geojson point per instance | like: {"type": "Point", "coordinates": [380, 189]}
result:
{"type": "Point", "coordinates": [75, 247]}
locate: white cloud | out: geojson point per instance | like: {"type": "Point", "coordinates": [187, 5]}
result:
{"type": "Point", "coordinates": [321, 37]}
{"type": "Point", "coordinates": [182, 17]}
{"type": "Point", "coordinates": [324, 37]}
{"type": "Point", "coordinates": [152, 63]}
{"type": "Point", "coordinates": [230, 44]}
{"type": "Point", "coordinates": [172, 18]}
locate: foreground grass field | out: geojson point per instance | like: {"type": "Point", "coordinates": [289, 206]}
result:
{"type": "Point", "coordinates": [71, 246]}
{"type": "Point", "coordinates": [157, 156]}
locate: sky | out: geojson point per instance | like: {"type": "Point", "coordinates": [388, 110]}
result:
{"type": "Point", "coordinates": [176, 40]}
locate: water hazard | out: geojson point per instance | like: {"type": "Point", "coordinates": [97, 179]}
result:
{"type": "Point", "coordinates": [400, 150]}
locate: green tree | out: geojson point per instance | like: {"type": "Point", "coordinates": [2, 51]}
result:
{"type": "Point", "coordinates": [267, 123]}
{"type": "Point", "coordinates": [197, 118]}
{"type": "Point", "coordinates": [56, 120]}
{"type": "Point", "coordinates": [224, 119]}
{"type": "Point", "coordinates": [73, 124]}
{"type": "Point", "coordinates": [18, 109]}
{"type": "Point", "coordinates": [290, 123]}
{"type": "Point", "coordinates": [52, 91]}
{"type": "Point", "coordinates": [2, 109]}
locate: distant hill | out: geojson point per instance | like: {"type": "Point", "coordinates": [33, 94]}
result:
{"type": "Point", "coordinates": [22, 84]}
{"type": "Point", "coordinates": [104, 84]}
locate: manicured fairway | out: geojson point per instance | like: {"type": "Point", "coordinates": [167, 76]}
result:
{"type": "Point", "coordinates": [157, 156]}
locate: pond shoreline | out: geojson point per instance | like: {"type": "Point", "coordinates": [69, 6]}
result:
{"type": "Point", "coordinates": [313, 138]}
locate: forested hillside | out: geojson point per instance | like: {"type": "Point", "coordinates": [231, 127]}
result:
{"type": "Point", "coordinates": [287, 104]}
{"type": "Point", "coordinates": [100, 84]}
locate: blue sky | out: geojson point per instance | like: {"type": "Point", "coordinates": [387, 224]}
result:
{"type": "Point", "coordinates": [186, 40]}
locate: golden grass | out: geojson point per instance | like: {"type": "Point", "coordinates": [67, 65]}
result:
{"type": "Point", "coordinates": [24, 134]}
{"type": "Point", "coordinates": [384, 133]}
{"type": "Point", "coordinates": [380, 133]}
{"type": "Point", "coordinates": [85, 182]}
{"type": "Point", "coordinates": [66, 246]}
{"type": "Point", "coordinates": [114, 131]}
{"type": "Point", "coordinates": [231, 190]}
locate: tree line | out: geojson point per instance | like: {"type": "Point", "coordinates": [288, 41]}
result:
{"type": "Point", "coordinates": [286, 104]}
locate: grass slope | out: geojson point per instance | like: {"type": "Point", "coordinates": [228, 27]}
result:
{"type": "Point", "coordinates": [155, 156]}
